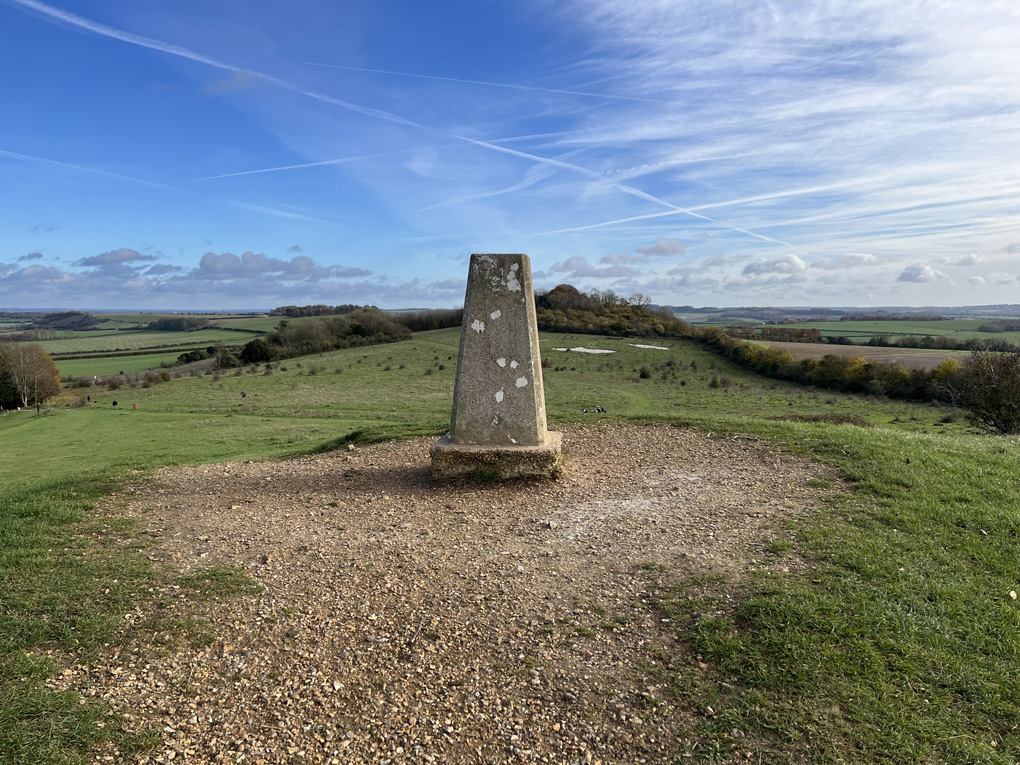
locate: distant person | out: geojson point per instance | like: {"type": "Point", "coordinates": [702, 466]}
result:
{"type": "Point", "coordinates": [244, 395]}
{"type": "Point", "coordinates": [37, 407]}
{"type": "Point", "coordinates": [89, 399]}
{"type": "Point", "coordinates": [114, 404]}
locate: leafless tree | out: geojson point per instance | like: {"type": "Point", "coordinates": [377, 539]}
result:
{"type": "Point", "coordinates": [28, 372]}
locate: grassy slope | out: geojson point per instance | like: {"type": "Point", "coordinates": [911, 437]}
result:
{"type": "Point", "coordinates": [895, 649]}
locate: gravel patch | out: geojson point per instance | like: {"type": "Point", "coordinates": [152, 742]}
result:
{"type": "Point", "coordinates": [404, 621]}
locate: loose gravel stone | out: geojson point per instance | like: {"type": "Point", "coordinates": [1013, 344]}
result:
{"type": "Point", "coordinates": [402, 620]}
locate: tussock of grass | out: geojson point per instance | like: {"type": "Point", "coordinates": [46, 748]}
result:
{"type": "Point", "coordinates": [831, 419]}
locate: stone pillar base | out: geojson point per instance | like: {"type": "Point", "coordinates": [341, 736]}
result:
{"type": "Point", "coordinates": [495, 462]}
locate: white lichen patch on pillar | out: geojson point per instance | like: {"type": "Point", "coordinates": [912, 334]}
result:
{"type": "Point", "coordinates": [496, 403]}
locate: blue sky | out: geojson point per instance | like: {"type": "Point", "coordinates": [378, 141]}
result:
{"type": "Point", "coordinates": [214, 154]}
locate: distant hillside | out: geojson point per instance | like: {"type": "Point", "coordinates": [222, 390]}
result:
{"type": "Point", "coordinates": [65, 321]}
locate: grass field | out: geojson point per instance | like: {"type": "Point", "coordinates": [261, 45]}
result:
{"type": "Point", "coordinates": [862, 331]}
{"type": "Point", "coordinates": [899, 643]}
{"type": "Point", "coordinates": [141, 320]}
{"type": "Point", "coordinates": [103, 366]}
{"type": "Point", "coordinates": [133, 341]}
{"type": "Point", "coordinates": [908, 357]}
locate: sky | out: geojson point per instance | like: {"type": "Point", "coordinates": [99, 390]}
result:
{"type": "Point", "coordinates": [220, 154]}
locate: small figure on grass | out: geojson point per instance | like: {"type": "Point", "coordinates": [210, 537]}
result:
{"type": "Point", "coordinates": [114, 404]}
{"type": "Point", "coordinates": [244, 394]}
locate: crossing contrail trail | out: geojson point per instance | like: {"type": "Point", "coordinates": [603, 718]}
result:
{"type": "Point", "coordinates": [481, 82]}
{"type": "Point", "coordinates": [674, 209]}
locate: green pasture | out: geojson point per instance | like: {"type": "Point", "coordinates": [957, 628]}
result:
{"type": "Point", "coordinates": [891, 638]}
{"type": "Point", "coordinates": [861, 331]}
{"type": "Point", "coordinates": [103, 366]}
{"type": "Point", "coordinates": [141, 319]}
{"type": "Point", "coordinates": [133, 341]}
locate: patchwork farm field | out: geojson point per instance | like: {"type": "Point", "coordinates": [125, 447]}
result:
{"type": "Point", "coordinates": [909, 357]}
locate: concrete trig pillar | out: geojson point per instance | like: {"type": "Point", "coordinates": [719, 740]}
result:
{"type": "Point", "coordinates": [498, 425]}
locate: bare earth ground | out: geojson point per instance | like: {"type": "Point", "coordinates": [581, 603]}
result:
{"type": "Point", "coordinates": [404, 621]}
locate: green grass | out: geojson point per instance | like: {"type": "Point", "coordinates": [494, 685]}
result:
{"type": "Point", "coordinates": [893, 649]}
{"type": "Point", "coordinates": [861, 331]}
{"type": "Point", "coordinates": [89, 342]}
{"type": "Point", "coordinates": [902, 645]}
{"type": "Point", "coordinates": [105, 366]}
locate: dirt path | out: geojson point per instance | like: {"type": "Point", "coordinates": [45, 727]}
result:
{"type": "Point", "coordinates": [401, 621]}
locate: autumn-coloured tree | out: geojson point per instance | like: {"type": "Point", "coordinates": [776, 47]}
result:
{"type": "Point", "coordinates": [27, 375]}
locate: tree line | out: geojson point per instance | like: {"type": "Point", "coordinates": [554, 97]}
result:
{"type": "Point", "coordinates": [364, 326]}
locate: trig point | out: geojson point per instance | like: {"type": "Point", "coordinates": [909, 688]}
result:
{"type": "Point", "coordinates": [498, 427]}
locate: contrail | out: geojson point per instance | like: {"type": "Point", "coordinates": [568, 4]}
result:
{"type": "Point", "coordinates": [480, 82]}
{"type": "Point", "coordinates": [625, 189]}
{"type": "Point", "coordinates": [118, 176]}
{"type": "Point", "coordinates": [727, 203]}
{"type": "Point", "coordinates": [279, 213]}
{"type": "Point", "coordinates": [345, 160]}
{"type": "Point", "coordinates": [522, 184]}
{"type": "Point", "coordinates": [339, 161]}
{"type": "Point", "coordinates": [177, 50]}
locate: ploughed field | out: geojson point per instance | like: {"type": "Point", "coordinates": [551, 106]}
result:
{"type": "Point", "coordinates": [908, 357]}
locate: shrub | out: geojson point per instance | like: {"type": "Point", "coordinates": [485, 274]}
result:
{"type": "Point", "coordinates": [645, 373]}
{"type": "Point", "coordinates": [989, 388]}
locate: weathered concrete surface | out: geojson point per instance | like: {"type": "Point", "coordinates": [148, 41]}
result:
{"type": "Point", "coordinates": [451, 460]}
{"type": "Point", "coordinates": [499, 399]}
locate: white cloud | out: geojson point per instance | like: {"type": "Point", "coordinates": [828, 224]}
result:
{"type": "Point", "coordinates": [663, 248]}
{"type": "Point", "coordinates": [968, 260]}
{"type": "Point", "coordinates": [849, 260]}
{"type": "Point", "coordinates": [787, 264]}
{"type": "Point", "coordinates": [976, 281]}
{"type": "Point", "coordinates": [114, 258]}
{"type": "Point", "coordinates": [577, 267]}
{"type": "Point", "coordinates": [925, 273]}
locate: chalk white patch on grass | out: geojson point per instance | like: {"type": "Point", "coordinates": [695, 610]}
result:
{"type": "Point", "coordinates": [582, 349]}
{"type": "Point", "coordinates": [650, 347]}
